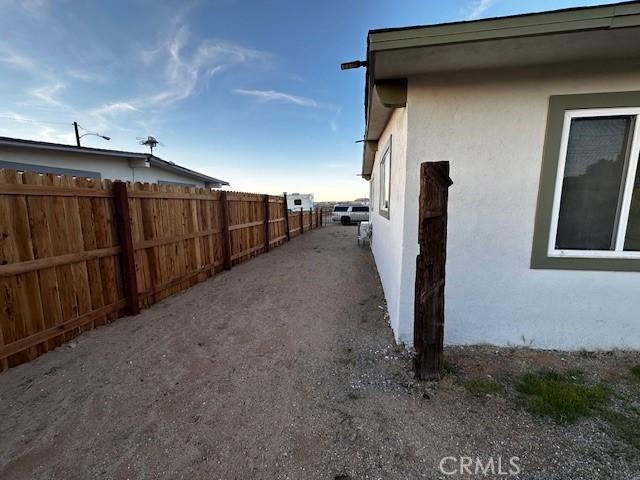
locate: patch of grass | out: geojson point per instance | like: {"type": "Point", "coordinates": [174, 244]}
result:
{"type": "Point", "coordinates": [627, 427]}
{"type": "Point", "coordinates": [565, 398]}
{"type": "Point", "coordinates": [635, 371]}
{"type": "Point", "coordinates": [587, 354]}
{"type": "Point", "coordinates": [450, 368]}
{"type": "Point", "coordinates": [482, 386]}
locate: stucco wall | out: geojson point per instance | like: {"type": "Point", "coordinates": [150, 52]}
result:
{"type": "Point", "coordinates": [387, 232]}
{"type": "Point", "coordinates": [491, 128]}
{"type": "Point", "coordinates": [114, 168]}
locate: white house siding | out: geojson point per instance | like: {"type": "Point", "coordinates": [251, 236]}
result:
{"type": "Point", "coordinates": [387, 233]}
{"type": "Point", "coordinates": [491, 128]}
{"type": "Point", "coordinates": [111, 167]}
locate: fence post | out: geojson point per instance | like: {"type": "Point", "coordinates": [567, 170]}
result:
{"type": "Point", "coordinates": [226, 234]}
{"type": "Point", "coordinates": [301, 220]}
{"type": "Point", "coordinates": [127, 259]}
{"type": "Point", "coordinates": [266, 223]}
{"type": "Point", "coordinates": [286, 217]}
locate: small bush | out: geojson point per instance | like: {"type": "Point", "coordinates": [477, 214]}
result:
{"type": "Point", "coordinates": [562, 397]}
{"type": "Point", "coordinates": [635, 371]}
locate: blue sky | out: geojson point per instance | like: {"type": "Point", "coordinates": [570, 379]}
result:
{"type": "Point", "coordinates": [247, 91]}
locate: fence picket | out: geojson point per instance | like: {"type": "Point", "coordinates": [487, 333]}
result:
{"type": "Point", "coordinates": [60, 271]}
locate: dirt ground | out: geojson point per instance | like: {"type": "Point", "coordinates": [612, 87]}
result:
{"type": "Point", "coordinates": [283, 368]}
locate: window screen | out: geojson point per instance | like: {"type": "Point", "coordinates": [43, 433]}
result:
{"type": "Point", "coordinates": [592, 183]}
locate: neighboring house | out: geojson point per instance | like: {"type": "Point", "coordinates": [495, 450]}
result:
{"type": "Point", "coordinates": [539, 118]}
{"type": "Point", "coordinates": [44, 157]}
{"type": "Point", "coordinates": [296, 201]}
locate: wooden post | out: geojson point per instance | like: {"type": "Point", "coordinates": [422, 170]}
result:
{"type": "Point", "coordinates": [226, 234]}
{"type": "Point", "coordinates": [266, 223]}
{"type": "Point", "coordinates": [310, 218]}
{"type": "Point", "coordinates": [286, 217]}
{"type": "Point", "coordinates": [430, 269]}
{"type": "Point", "coordinates": [127, 259]}
{"type": "Point", "coordinates": [301, 220]}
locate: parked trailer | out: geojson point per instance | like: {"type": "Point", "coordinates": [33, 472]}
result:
{"type": "Point", "coordinates": [297, 201]}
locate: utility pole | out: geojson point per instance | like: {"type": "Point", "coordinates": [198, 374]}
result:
{"type": "Point", "coordinates": [75, 127]}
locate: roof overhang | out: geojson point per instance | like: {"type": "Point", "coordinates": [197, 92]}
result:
{"type": "Point", "coordinates": [135, 159]}
{"type": "Point", "coordinates": [608, 32]}
{"type": "Point", "coordinates": [210, 182]}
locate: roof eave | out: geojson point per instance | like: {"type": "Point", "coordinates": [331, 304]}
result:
{"type": "Point", "coordinates": [617, 15]}
{"type": "Point", "coordinates": [604, 17]}
{"type": "Point", "coordinates": [172, 167]}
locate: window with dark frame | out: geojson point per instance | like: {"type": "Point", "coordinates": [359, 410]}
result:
{"type": "Point", "coordinates": [385, 181]}
{"type": "Point", "coordinates": [596, 210]}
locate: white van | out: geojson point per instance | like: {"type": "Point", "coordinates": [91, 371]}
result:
{"type": "Point", "coordinates": [350, 214]}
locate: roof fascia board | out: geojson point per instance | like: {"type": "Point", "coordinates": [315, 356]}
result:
{"type": "Point", "coordinates": [620, 16]}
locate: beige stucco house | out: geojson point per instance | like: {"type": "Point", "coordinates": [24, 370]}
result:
{"type": "Point", "coordinates": [539, 118]}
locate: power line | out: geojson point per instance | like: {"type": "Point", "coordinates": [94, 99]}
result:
{"type": "Point", "coordinates": [30, 120]}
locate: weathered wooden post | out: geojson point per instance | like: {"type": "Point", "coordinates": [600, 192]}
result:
{"type": "Point", "coordinates": [428, 322]}
{"type": "Point", "coordinates": [127, 258]}
{"type": "Point", "coordinates": [301, 220]}
{"type": "Point", "coordinates": [226, 234]}
{"type": "Point", "coordinates": [266, 223]}
{"type": "Point", "coordinates": [286, 217]}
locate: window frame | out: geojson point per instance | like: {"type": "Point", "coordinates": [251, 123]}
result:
{"type": "Point", "coordinates": [629, 175]}
{"type": "Point", "coordinates": [562, 109]}
{"type": "Point", "coordinates": [385, 180]}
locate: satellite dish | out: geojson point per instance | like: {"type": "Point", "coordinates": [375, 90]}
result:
{"type": "Point", "coordinates": [150, 142]}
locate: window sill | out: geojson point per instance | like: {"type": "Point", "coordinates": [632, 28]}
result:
{"type": "Point", "coordinates": [595, 254]}
{"type": "Point", "coordinates": [384, 213]}
{"type": "Point", "coordinates": [608, 264]}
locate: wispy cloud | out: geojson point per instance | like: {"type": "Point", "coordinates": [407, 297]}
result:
{"type": "Point", "coordinates": [47, 94]}
{"type": "Point", "coordinates": [114, 108]}
{"type": "Point", "coordinates": [10, 56]}
{"type": "Point", "coordinates": [84, 76]}
{"type": "Point", "coordinates": [16, 117]}
{"type": "Point", "coordinates": [56, 135]}
{"type": "Point", "coordinates": [274, 96]}
{"type": "Point", "coordinates": [33, 8]}
{"type": "Point", "coordinates": [184, 73]}
{"type": "Point", "coordinates": [478, 7]}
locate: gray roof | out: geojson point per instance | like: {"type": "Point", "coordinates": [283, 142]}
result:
{"type": "Point", "coordinates": [153, 160]}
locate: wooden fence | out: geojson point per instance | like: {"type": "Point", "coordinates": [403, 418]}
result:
{"type": "Point", "coordinates": [78, 253]}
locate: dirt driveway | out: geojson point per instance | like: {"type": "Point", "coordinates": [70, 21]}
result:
{"type": "Point", "coordinates": [282, 368]}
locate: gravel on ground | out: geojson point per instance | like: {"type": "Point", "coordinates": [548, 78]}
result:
{"type": "Point", "coordinates": [285, 368]}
